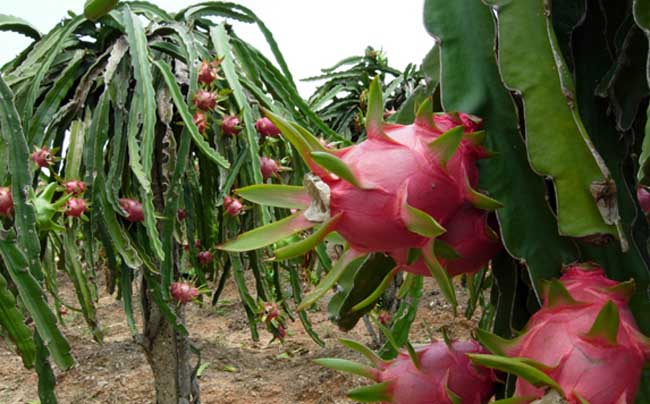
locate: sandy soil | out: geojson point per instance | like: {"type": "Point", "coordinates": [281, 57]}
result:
{"type": "Point", "coordinates": [239, 371]}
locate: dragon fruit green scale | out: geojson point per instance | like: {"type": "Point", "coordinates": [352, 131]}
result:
{"type": "Point", "coordinates": [395, 191]}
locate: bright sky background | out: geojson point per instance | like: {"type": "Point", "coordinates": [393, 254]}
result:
{"type": "Point", "coordinates": [311, 34]}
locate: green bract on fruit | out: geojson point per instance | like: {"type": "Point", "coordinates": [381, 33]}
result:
{"type": "Point", "coordinates": [408, 190]}
{"type": "Point", "coordinates": [584, 340]}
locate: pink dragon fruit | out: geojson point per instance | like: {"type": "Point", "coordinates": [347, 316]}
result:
{"type": "Point", "coordinates": [443, 374]}
{"type": "Point", "coordinates": [266, 128]}
{"type": "Point", "coordinates": [74, 187]}
{"type": "Point", "coordinates": [42, 157]}
{"type": "Point", "coordinates": [184, 292]}
{"type": "Point", "coordinates": [401, 190]}
{"type": "Point", "coordinates": [6, 202]}
{"type": "Point", "coordinates": [181, 214]}
{"type": "Point", "coordinates": [205, 257]}
{"type": "Point", "coordinates": [643, 195]}
{"type": "Point", "coordinates": [269, 167]}
{"type": "Point", "coordinates": [233, 206]}
{"type": "Point", "coordinates": [75, 207]}
{"type": "Point", "coordinates": [208, 72]}
{"type": "Point", "coordinates": [584, 338]}
{"type": "Point", "coordinates": [200, 121]}
{"type": "Point", "coordinates": [133, 209]}
{"type": "Point", "coordinates": [205, 100]}
{"type": "Point", "coordinates": [230, 125]}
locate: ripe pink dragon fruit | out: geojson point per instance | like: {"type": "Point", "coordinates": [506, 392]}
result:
{"type": "Point", "coordinates": [74, 187]}
{"type": "Point", "coordinates": [200, 121]}
{"type": "Point", "coordinates": [269, 167]}
{"type": "Point", "coordinates": [43, 157]}
{"type": "Point", "coordinates": [181, 214]}
{"type": "Point", "coordinates": [205, 100]}
{"type": "Point", "coordinates": [584, 338]}
{"type": "Point", "coordinates": [233, 206]}
{"type": "Point", "coordinates": [133, 209]}
{"type": "Point", "coordinates": [643, 195]}
{"type": "Point", "coordinates": [205, 257]}
{"type": "Point", "coordinates": [184, 292]}
{"type": "Point", "coordinates": [6, 202]}
{"type": "Point", "coordinates": [208, 72]}
{"type": "Point", "coordinates": [403, 189]}
{"type": "Point", "coordinates": [443, 374]}
{"type": "Point", "coordinates": [231, 125]}
{"type": "Point", "coordinates": [75, 207]}
{"type": "Point", "coordinates": [266, 128]}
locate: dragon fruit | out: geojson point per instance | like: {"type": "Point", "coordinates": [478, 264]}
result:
{"type": "Point", "coordinates": [269, 167]}
{"type": "Point", "coordinates": [133, 209]}
{"type": "Point", "coordinates": [6, 202]}
{"type": "Point", "coordinates": [75, 207]}
{"type": "Point", "coordinates": [205, 100]}
{"type": "Point", "coordinates": [643, 195]}
{"type": "Point", "coordinates": [42, 157]}
{"type": "Point", "coordinates": [200, 121]}
{"type": "Point", "coordinates": [208, 72]}
{"type": "Point", "coordinates": [184, 292]}
{"type": "Point", "coordinates": [74, 187]}
{"type": "Point", "coordinates": [584, 338]}
{"type": "Point", "coordinates": [266, 128]}
{"type": "Point", "coordinates": [440, 373]}
{"type": "Point", "coordinates": [233, 206]}
{"type": "Point", "coordinates": [397, 192]}
{"type": "Point", "coordinates": [205, 257]}
{"type": "Point", "coordinates": [181, 214]}
{"type": "Point", "coordinates": [230, 125]}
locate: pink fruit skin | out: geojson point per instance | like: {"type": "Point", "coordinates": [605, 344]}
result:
{"type": "Point", "coordinates": [183, 292]}
{"type": "Point", "coordinates": [74, 187]}
{"type": "Point", "coordinates": [269, 167]}
{"type": "Point", "coordinates": [205, 257]}
{"type": "Point", "coordinates": [441, 368]}
{"type": "Point", "coordinates": [181, 214]}
{"type": "Point", "coordinates": [75, 207]}
{"type": "Point", "coordinates": [205, 100]}
{"type": "Point", "coordinates": [200, 121]}
{"type": "Point", "coordinates": [6, 202]}
{"type": "Point", "coordinates": [591, 368]}
{"type": "Point", "coordinates": [133, 209]}
{"type": "Point", "coordinates": [207, 73]}
{"type": "Point", "coordinates": [372, 218]}
{"type": "Point", "coordinates": [265, 127]}
{"type": "Point", "coordinates": [643, 195]}
{"type": "Point", "coordinates": [469, 234]}
{"type": "Point", "coordinates": [230, 125]}
{"type": "Point", "coordinates": [232, 206]}
{"type": "Point", "coordinates": [42, 157]}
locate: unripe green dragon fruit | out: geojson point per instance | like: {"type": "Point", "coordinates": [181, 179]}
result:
{"type": "Point", "coordinates": [583, 342]}
{"type": "Point", "coordinates": [398, 192]}
{"type": "Point", "coordinates": [438, 373]}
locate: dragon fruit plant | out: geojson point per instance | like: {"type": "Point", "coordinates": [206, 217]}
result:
{"type": "Point", "coordinates": [440, 372]}
{"type": "Point", "coordinates": [584, 342]}
{"type": "Point", "coordinates": [408, 191]}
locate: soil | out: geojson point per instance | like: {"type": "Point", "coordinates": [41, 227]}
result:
{"type": "Point", "coordinates": [239, 370]}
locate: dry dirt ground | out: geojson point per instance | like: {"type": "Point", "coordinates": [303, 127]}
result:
{"type": "Point", "coordinates": [239, 370]}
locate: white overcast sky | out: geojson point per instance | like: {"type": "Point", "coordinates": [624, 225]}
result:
{"type": "Point", "coordinates": [311, 34]}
